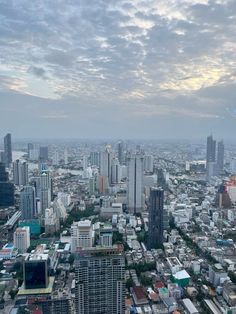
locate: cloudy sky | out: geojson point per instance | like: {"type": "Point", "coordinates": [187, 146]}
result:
{"type": "Point", "coordinates": [118, 68]}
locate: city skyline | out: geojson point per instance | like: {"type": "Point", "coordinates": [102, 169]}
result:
{"type": "Point", "coordinates": [157, 68]}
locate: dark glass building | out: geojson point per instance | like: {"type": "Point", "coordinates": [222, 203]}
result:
{"type": "Point", "coordinates": [6, 188]}
{"type": "Point", "coordinates": [7, 150]}
{"type": "Point", "coordinates": [36, 273]}
{"type": "Point", "coordinates": [156, 218]}
{"type": "Point", "coordinates": [43, 153]}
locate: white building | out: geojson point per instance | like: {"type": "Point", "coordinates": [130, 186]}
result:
{"type": "Point", "coordinates": [22, 239]}
{"type": "Point", "coordinates": [81, 235]}
{"type": "Point", "coordinates": [65, 198]}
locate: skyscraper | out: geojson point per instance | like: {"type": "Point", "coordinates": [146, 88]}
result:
{"type": "Point", "coordinates": [105, 163]}
{"type": "Point", "coordinates": [115, 171]}
{"type": "Point", "coordinates": [43, 153]}
{"type": "Point", "coordinates": [100, 285]}
{"type": "Point", "coordinates": [20, 172]}
{"type": "Point", "coordinates": [120, 152]}
{"type": "Point", "coordinates": [220, 157]}
{"type": "Point", "coordinates": [135, 199]}
{"type": "Point", "coordinates": [156, 218]}
{"type": "Point", "coordinates": [211, 149]}
{"type": "Point", "coordinates": [211, 166]}
{"type": "Point", "coordinates": [28, 203]}
{"type": "Point", "coordinates": [148, 163]}
{"type": "Point", "coordinates": [7, 150]}
{"type": "Point", "coordinates": [6, 188]}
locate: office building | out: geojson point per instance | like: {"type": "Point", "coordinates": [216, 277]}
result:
{"type": "Point", "coordinates": [148, 163]}
{"type": "Point", "coordinates": [105, 163]}
{"type": "Point", "coordinates": [156, 218]}
{"type": "Point", "coordinates": [211, 149]}
{"type": "Point", "coordinates": [55, 159]}
{"type": "Point", "coordinates": [7, 150]}
{"type": "Point", "coordinates": [81, 235]}
{"type": "Point", "coordinates": [6, 188]}
{"type": "Point", "coordinates": [28, 203]}
{"type": "Point", "coordinates": [135, 198]}
{"type": "Point", "coordinates": [43, 153]}
{"type": "Point", "coordinates": [115, 171]}
{"type": "Point", "coordinates": [211, 165]}
{"type": "Point", "coordinates": [220, 157]}
{"type": "Point", "coordinates": [100, 284]}
{"type": "Point", "coordinates": [30, 147]}
{"type": "Point", "coordinates": [22, 239]}
{"type": "Point", "coordinates": [94, 159]}
{"type": "Point", "coordinates": [35, 271]}
{"type": "Point", "coordinates": [20, 172]}
{"type": "Point", "coordinates": [120, 152]}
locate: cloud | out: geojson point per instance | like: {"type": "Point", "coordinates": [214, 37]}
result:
{"type": "Point", "coordinates": [109, 61]}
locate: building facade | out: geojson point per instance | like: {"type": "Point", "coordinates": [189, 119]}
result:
{"type": "Point", "coordinates": [100, 285]}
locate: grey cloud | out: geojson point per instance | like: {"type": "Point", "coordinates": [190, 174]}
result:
{"type": "Point", "coordinates": [118, 60]}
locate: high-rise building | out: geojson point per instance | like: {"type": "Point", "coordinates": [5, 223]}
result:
{"type": "Point", "coordinates": [30, 147]}
{"type": "Point", "coordinates": [22, 239]}
{"type": "Point", "coordinates": [211, 166]}
{"type": "Point", "coordinates": [156, 218]}
{"type": "Point", "coordinates": [20, 172]}
{"type": "Point", "coordinates": [135, 199]}
{"type": "Point", "coordinates": [94, 159]}
{"type": "Point", "coordinates": [6, 188]}
{"type": "Point", "coordinates": [81, 235]}
{"type": "Point", "coordinates": [45, 193]}
{"type": "Point", "coordinates": [120, 152]}
{"type": "Point", "coordinates": [115, 171]}
{"type": "Point", "coordinates": [100, 284]}
{"type": "Point", "coordinates": [43, 153]}
{"type": "Point", "coordinates": [211, 149]}
{"type": "Point", "coordinates": [7, 150]}
{"type": "Point", "coordinates": [220, 157]}
{"type": "Point", "coordinates": [28, 203]}
{"type": "Point", "coordinates": [105, 163]}
{"type": "Point", "coordinates": [148, 163]}
{"type": "Point", "coordinates": [55, 159]}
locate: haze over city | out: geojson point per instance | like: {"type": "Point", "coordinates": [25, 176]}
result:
{"type": "Point", "coordinates": [123, 69]}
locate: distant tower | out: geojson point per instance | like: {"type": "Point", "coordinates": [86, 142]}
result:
{"type": "Point", "coordinates": [28, 203]}
{"type": "Point", "coordinates": [220, 157]}
{"type": "Point", "coordinates": [7, 150]}
{"type": "Point", "coordinates": [211, 166]}
{"type": "Point", "coordinates": [148, 163]}
{"type": "Point", "coordinates": [135, 199]}
{"type": "Point", "coordinates": [156, 218]}
{"type": "Point", "coordinates": [120, 152]}
{"type": "Point", "coordinates": [20, 173]}
{"type": "Point", "coordinates": [45, 184]}
{"type": "Point", "coordinates": [105, 163]}
{"type": "Point", "coordinates": [115, 171]}
{"type": "Point", "coordinates": [6, 188]}
{"type": "Point", "coordinates": [211, 149]}
{"type": "Point", "coordinates": [43, 153]}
